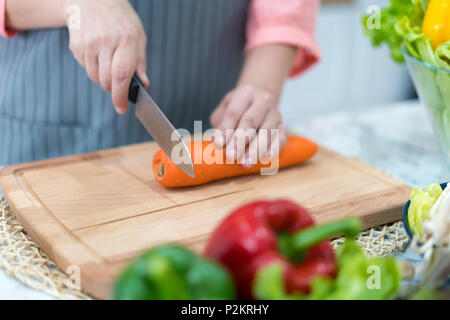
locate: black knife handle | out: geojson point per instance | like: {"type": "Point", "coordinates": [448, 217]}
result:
{"type": "Point", "coordinates": [134, 88]}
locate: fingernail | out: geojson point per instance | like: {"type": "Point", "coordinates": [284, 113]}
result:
{"type": "Point", "coordinates": [119, 110]}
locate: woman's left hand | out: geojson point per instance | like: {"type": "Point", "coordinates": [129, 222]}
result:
{"type": "Point", "coordinates": [241, 117]}
{"type": "Point", "coordinates": [248, 117]}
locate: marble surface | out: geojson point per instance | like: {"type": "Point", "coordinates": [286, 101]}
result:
{"type": "Point", "coordinates": [11, 289]}
{"type": "Point", "coordinates": [397, 138]}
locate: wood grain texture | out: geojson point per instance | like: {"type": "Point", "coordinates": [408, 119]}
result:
{"type": "Point", "coordinates": [99, 210]}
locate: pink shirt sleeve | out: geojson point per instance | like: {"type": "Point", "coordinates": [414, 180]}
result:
{"type": "Point", "coordinates": [3, 31]}
{"type": "Point", "coordinates": [291, 22]}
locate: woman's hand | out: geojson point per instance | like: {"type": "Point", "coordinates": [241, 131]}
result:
{"type": "Point", "coordinates": [110, 44]}
{"type": "Point", "coordinates": [247, 110]}
{"type": "Point", "coordinates": [248, 117]}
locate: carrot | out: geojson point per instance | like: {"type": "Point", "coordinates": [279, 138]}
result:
{"type": "Point", "coordinates": [296, 150]}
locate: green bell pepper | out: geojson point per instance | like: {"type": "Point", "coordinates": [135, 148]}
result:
{"type": "Point", "coordinates": [171, 272]}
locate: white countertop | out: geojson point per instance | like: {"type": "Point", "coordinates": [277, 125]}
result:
{"type": "Point", "coordinates": [397, 138]}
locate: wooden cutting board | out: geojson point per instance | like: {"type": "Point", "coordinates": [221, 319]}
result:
{"type": "Point", "coordinates": [92, 213]}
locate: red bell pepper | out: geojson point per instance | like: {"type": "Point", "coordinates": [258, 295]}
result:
{"type": "Point", "coordinates": [266, 232]}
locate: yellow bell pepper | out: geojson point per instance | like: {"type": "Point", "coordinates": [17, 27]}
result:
{"type": "Point", "coordinates": [436, 24]}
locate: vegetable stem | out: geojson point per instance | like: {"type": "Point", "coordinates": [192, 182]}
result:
{"type": "Point", "coordinates": [295, 245]}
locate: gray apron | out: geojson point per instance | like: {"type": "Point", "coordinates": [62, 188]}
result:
{"type": "Point", "coordinates": [50, 108]}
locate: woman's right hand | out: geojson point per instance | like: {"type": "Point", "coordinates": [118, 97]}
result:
{"type": "Point", "coordinates": [110, 43]}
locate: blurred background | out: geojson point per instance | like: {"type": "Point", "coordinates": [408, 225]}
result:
{"type": "Point", "coordinates": [351, 74]}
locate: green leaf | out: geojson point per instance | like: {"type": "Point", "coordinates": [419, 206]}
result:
{"type": "Point", "coordinates": [420, 206]}
{"type": "Point", "coordinates": [359, 277]}
{"type": "Point", "coordinates": [269, 284]}
{"type": "Point", "coordinates": [388, 32]}
{"type": "Point", "coordinates": [362, 277]}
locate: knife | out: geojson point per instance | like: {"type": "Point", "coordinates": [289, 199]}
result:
{"type": "Point", "coordinates": [158, 126]}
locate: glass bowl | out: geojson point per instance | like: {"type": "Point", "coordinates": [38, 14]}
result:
{"type": "Point", "coordinates": [433, 87]}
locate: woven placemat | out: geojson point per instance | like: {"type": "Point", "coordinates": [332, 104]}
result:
{"type": "Point", "coordinates": [21, 258]}
{"type": "Point", "coordinates": [381, 241]}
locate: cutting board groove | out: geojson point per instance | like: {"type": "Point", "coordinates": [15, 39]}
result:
{"type": "Point", "coordinates": [99, 210]}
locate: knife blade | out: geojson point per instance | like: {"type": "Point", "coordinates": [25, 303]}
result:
{"type": "Point", "coordinates": [159, 127]}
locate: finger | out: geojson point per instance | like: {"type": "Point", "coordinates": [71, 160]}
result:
{"type": "Point", "coordinates": [143, 76]}
{"type": "Point", "coordinates": [249, 123]}
{"type": "Point", "coordinates": [246, 160]}
{"type": "Point", "coordinates": [253, 150]}
{"type": "Point", "coordinates": [104, 69]}
{"type": "Point", "coordinates": [122, 70]}
{"type": "Point", "coordinates": [277, 143]}
{"type": "Point", "coordinates": [91, 61]}
{"type": "Point", "coordinates": [238, 104]}
{"type": "Point", "coordinates": [218, 113]}
{"type": "Point", "coordinates": [75, 47]}
{"type": "Point", "coordinates": [236, 146]}
{"type": "Point", "coordinates": [259, 146]}
{"type": "Point", "coordinates": [80, 59]}
{"type": "Point", "coordinates": [141, 69]}
{"type": "Point", "coordinates": [269, 128]}
{"type": "Point", "coordinates": [217, 116]}
{"type": "Point", "coordinates": [283, 136]}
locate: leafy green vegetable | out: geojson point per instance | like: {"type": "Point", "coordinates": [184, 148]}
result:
{"type": "Point", "coordinates": [433, 190]}
{"type": "Point", "coordinates": [401, 26]}
{"type": "Point", "coordinates": [268, 284]}
{"type": "Point", "coordinates": [365, 278]}
{"type": "Point", "coordinates": [387, 32]}
{"type": "Point", "coordinates": [420, 207]}
{"type": "Point", "coordinates": [443, 56]}
{"type": "Point", "coordinates": [359, 277]}
{"type": "Point", "coordinates": [414, 41]}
